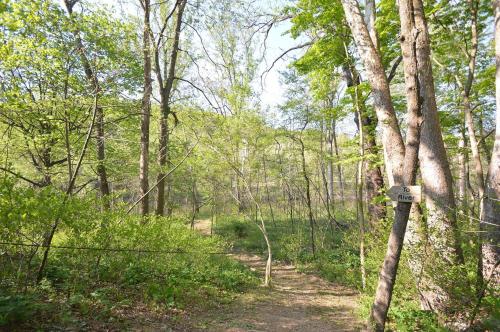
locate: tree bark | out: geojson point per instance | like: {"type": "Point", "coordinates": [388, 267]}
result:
{"type": "Point", "coordinates": [146, 112]}
{"type": "Point", "coordinates": [308, 195]}
{"type": "Point", "coordinates": [374, 181]}
{"type": "Point", "coordinates": [329, 162]}
{"type": "Point", "coordinates": [462, 172]}
{"type": "Point", "coordinates": [382, 101]}
{"type": "Point", "coordinates": [388, 273]}
{"type": "Point", "coordinates": [370, 16]}
{"type": "Point", "coordinates": [490, 219]}
{"type": "Point", "coordinates": [359, 198]}
{"type": "Point", "coordinates": [435, 169]}
{"type": "Point", "coordinates": [340, 172]}
{"type": "Point", "coordinates": [165, 94]}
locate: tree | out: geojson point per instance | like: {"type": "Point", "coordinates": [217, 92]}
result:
{"type": "Point", "coordinates": [490, 219]}
{"type": "Point", "coordinates": [414, 70]}
{"type": "Point", "coordinates": [165, 84]}
{"type": "Point", "coordinates": [435, 170]}
{"type": "Point", "coordinates": [93, 80]}
{"type": "Point", "coordinates": [146, 110]}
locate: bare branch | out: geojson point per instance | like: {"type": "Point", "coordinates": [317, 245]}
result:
{"type": "Point", "coordinates": [17, 175]}
{"type": "Point", "coordinates": [282, 55]}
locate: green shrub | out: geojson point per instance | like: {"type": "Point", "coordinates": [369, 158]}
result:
{"type": "Point", "coordinates": [100, 259]}
{"type": "Point", "coordinates": [15, 309]}
{"type": "Point", "coordinates": [409, 320]}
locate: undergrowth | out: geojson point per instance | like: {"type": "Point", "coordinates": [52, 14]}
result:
{"type": "Point", "coordinates": [111, 264]}
{"type": "Point", "coordinates": [337, 260]}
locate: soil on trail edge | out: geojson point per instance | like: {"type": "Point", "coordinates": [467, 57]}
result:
{"type": "Point", "coordinates": [296, 302]}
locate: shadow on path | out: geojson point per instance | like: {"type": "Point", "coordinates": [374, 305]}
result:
{"type": "Point", "coordinates": [296, 302]}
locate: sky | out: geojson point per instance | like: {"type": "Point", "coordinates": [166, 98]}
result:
{"type": "Point", "coordinates": [271, 91]}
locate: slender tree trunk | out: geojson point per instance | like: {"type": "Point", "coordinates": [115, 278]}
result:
{"type": "Point", "coordinates": [194, 200]}
{"type": "Point", "coordinates": [483, 135]}
{"type": "Point", "coordinates": [101, 157]}
{"type": "Point", "coordinates": [462, 172]}
{"type": "Point", "coordinates": [469, 122]}
{"type": "Point", "coordinates": [329, 163]}
{"type": "Point", "coordinates": [373, 175]}
{"type": "Point", "coordinates": [165, 94]}
{"type": "Point", "coordinates": [268, 273]}
{"type": "Point", "coordinates": [478, 168]}
{"type": "Point", "coordinates": [328, 201]}
{"type": "Point", "coordinates": [340, 172]}
{"type": "Point", "coordinates": [68, 147]}
{"type": "Point", "coordinates": [359, 199]}
{"type": "Point", "coordinates": [146, 112]}
{"type": "Point", "coordinates": [162, 161]}
{"type": "Point", "coordinates": [99, 126]}
{"type": "Point", "coordinates": [490, 219]}
{"type": "Point", "coordinates": [466, 91]}
{"type": "Point", "coordinates": [308, 195]}
{"type": "Point", "coordinates": [268, 194]}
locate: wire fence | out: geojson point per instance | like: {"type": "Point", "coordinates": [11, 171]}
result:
{"type": "Point", "coordinates": [133, 250]}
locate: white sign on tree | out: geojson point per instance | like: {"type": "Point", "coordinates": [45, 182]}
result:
{"type": "Point", "coordinates": [408, 194]}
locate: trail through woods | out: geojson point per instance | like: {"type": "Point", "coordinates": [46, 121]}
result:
{"type": "Point", "coordinates": [297, 302]}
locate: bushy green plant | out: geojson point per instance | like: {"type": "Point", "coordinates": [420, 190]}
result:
{"type": "Point", "coordinates": [101, 259]}
{"type": "Point", "coordinates": [15, 309]}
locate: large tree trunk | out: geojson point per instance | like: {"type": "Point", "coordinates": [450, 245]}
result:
{"type": "Point", "coordinates": [382, 101]}
{"type": "Point", "coordinates": [165, 94]}
{"type": "Point", "coordinates": [442, 230]}
{"type": "Point", "coordinates": [490, 219]}
{"type": "Point", "coordinates": [146, 113]}
{"type": "Point", "coordinates": [387, 279]}
{"type": "Point", "coordinates": [435, 170]}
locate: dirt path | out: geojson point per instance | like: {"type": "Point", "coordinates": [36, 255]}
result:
{"type": "Point", "coordinates": [297, 302]}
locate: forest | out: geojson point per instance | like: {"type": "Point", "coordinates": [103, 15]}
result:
{"type": "Point", "coordinates": [249, 165]}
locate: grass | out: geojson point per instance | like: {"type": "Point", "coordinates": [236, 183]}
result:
{"type": "Point", "coordinates": [106, 287]}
